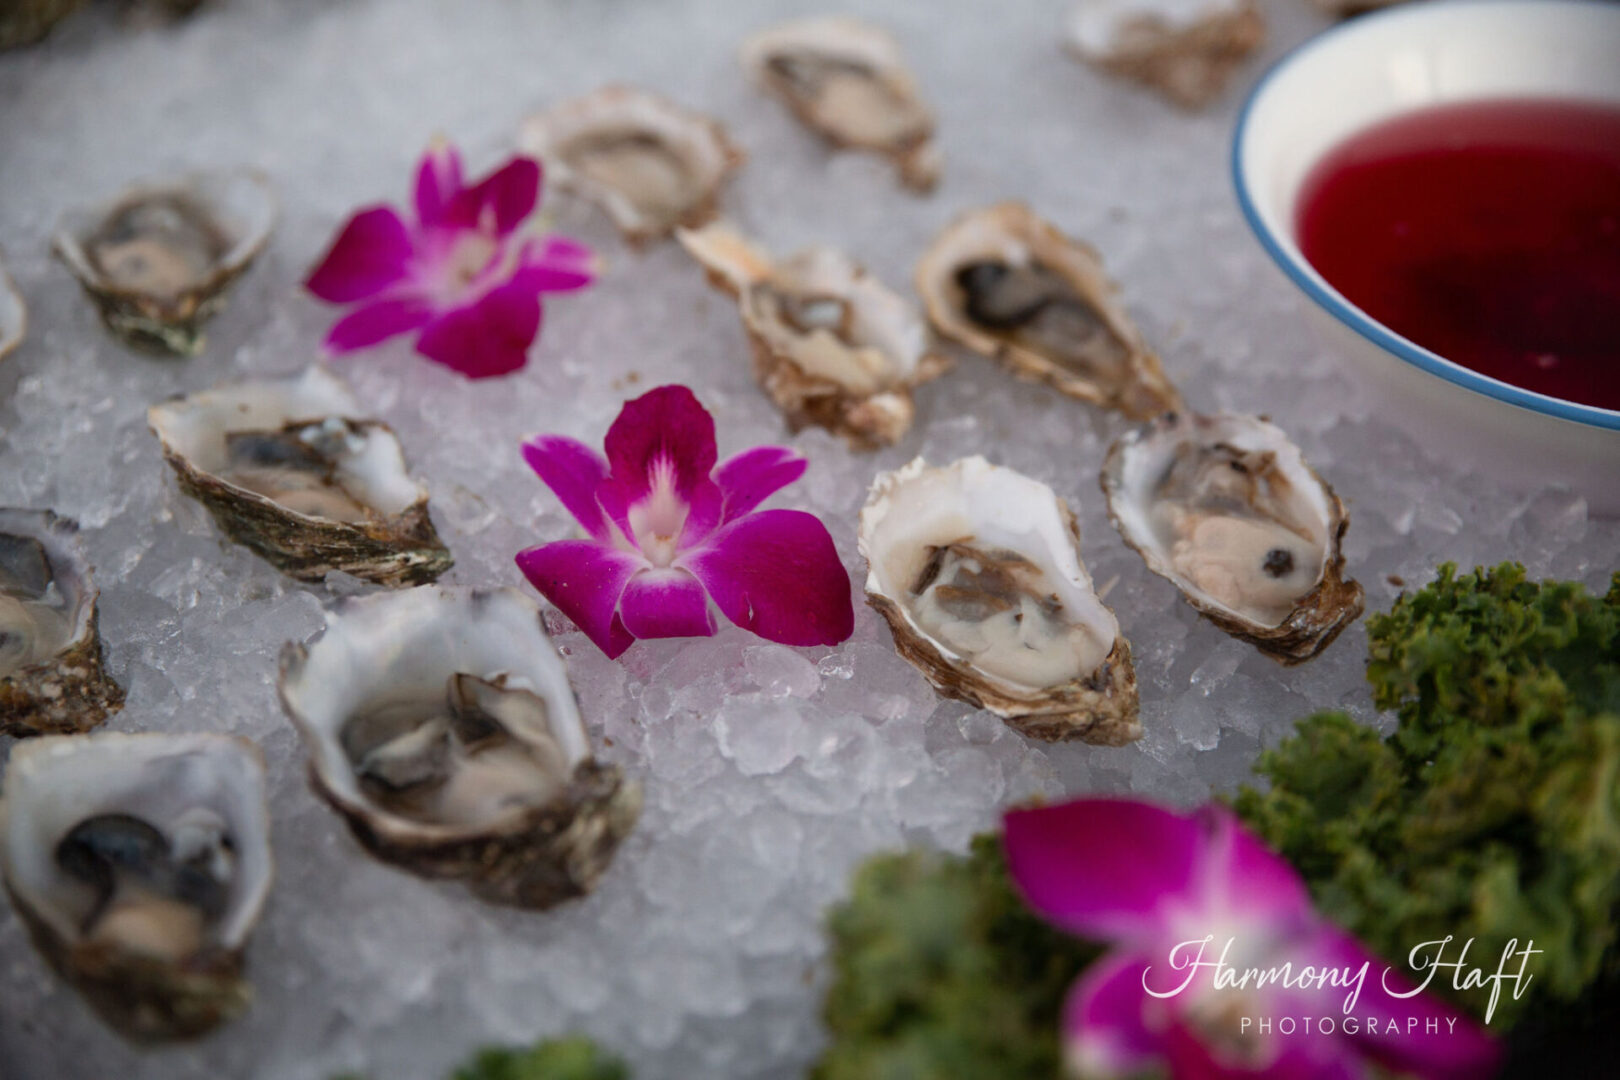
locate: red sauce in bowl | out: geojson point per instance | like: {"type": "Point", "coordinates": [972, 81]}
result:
{"type": "Point", "coordinates": [1487, 232]}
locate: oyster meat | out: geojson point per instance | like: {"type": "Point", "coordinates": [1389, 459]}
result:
{"type": "Point", "coordinates": [1008, 285]}
{"type": "Point", "coordinates": [977, 570]}
{"type": "Point", "coordinates": [13, 314]}
{"type": "Point", "coordinates": [52, 679]}
{"type": "Point", "coordinates": [1187, 50]}
{"type": "Point", "coordinates": [1227, 509]}
{"type": "Point", "coordinates": [140, 864]}
{"type": "Point", "coordinates": [846, 80]}
{"type": "Point", "coordinates": [833, 346]}
{"type": "Point", "coordinates": [440, 723]}
{"type": "Point", "coordinates": [286, 469]}
{"type": "Point", "coordinates": [159, 259]}
{"type": "Point", "coordinates": [651, 164]}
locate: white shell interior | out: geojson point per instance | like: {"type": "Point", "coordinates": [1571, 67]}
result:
{"type": "Point", "coordinates": [624, 110]}
{"type": "Point", "coordinates": [1146, 458]}
{"type": "Point", "coordinates": [74, 593]}
{"type": "Point", "coordinates": [833, 35]}
{"type": "Point", "coordinates": [395, 645]}
{"type": "Point", "coordinates": [890, 335]}
{"type": "Point", "coordinates": [881, 111]}
{"type": "Point", "coordinates": [195, 427]}
{"type": "Point", "coordinates": [240, 203]}
{"type": "Point", "coordinates": [55, 782]}
{"type": "Point", "coordinates": [919, 508]}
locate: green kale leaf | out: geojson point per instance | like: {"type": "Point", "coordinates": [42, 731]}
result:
{"type": "Point", "coordinates": [1493, 811]}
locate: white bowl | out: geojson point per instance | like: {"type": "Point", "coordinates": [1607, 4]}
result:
{"type": "Point", "coordinates": [1387, 63]}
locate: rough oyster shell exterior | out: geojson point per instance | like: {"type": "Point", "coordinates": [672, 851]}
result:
{"type": "Point", "coordinates": [1318, 616]}
{"type": "Point", "coordinates": [1012, 232]}
{"type": "Point", "coordinates": [238, 206]}
{"type": "Point", "coordinates": [146, 998]}
{"type": "Point", "coordinates": [852, 43]}
{"type": "Point", "coordinates": [1187, 50]}
{"type": "Point", "coordinates": [535, 858]}
{"type": "Point", "coordinates": [1100, 707]}
{"type": "Point", "coordinates": [870, 408]}
{"type": "Point", "coordinates": [700, 142]}
{"type": "Point", "coordinates": [72, 691]}
{"type": "Point", "coordinates": [399, 546]}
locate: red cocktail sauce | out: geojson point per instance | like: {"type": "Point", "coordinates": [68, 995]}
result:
{"type": "Point", "coordinates": [1487, 232]}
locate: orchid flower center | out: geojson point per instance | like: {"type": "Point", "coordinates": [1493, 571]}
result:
{"type": "Point", "coordinates": [469, 256]}
{"type": "Point", "coordinates": [660, 515]}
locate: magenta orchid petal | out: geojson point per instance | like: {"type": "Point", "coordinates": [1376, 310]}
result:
{"type": "Point", "coordinates": [1103, 868]}
{"type": "Point", "coordinates": [489, 338]}
{"type": "Point", "coordinates": [749, 478]}
{"type": "Point", "coordinates": [666, 603]}
{"type": "Point", "coordinates": [461, 274]}
{"type": "Point", "coordinates": [555, 264]}
{"type": "Point", "coordinates": [500, 202]}
{"type": "Point", "coordinates": [777, 573]}
{"type": "Point", "coordinates": [371, 254]}
{"type": "Point", "coordinates": [1242, 875]}
{"type": "Point", "coordinates": [585, 581]}
{"type": "Point", "coordinates": [373, 323]}
{"type": "Point", "coordinates": [670, 538]}
{"type": "Point", "coordinates": [573, 472]}
{"type": "Point", "coordinates": [663, 433]}
{"type": "Point", "coordinates": [438, 181]}
{"type": "Point", "coordinates": [1396, 1031]}
{"type": "Point", "coordinates": [1193, 1053]}
{"type": "Point", "coordinates": [1106, 1031]}
{"type": "Point", "coordinates": [703, 508]}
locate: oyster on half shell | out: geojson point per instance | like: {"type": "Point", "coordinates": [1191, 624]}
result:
{"type": "Point", "coordinates": [287, 469]}
{"type": "Point", "coordinates": [13, 314]}
{"type": "Point", "coordinates": [1227, 509]}
{"type": "Point", "coordinates": [1187, 50]}
{"type": "Point", "coordinates": [846, 80]}
{"type": "Point", "coordinates": [159, 259]}
{"type": "Point", "coordinates": [1010, 286]}
{"type": "Point", "coordinates": [651, 164]}
{"type": "Point", "coordinates": [977, 570]}
{"type": "Point", "coordinates": [140, 864]}
{"type": "Point", "coordinates": [52, 678]}
{"type": "Point", "coordinates": [833, 346]}
{"type": "Point", "coordinates": [441, 724]}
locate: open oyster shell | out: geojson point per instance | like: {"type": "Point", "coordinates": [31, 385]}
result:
{"type": "Point", "coordinates": [140, 864]}
{"type": "Point", "coordinates": [651, 164]}
{"type": "Point", "coordinates": [833, 346]}
{"type": "Point", "coordinates": [1227, 509]}
{"type": "Point", "coordinates": [158, 259]}
{"type": "Point", "coordinates": [977, 570]}
{"type": "Point", "coordinates": [440, 723]}
{"type": "Point", "coordinates": [13, 314]}
{"type": "Point", "coordinates": [52, 679]}
{"type": "Point", "coordinates": [1010, 286]}
{"type": "Point", "coordinates": [846, 80]}
{"type": "Point", "coordinates": [286, 469]}
{"type": "Point", "coordinates": [1187, 50]}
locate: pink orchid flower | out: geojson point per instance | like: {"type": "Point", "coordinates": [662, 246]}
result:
{"type": "Point", "coordinates": [668, 531]}
{"type": "Point", "coordinates": [463, 274]}
{"type": "Point", "coordinates": [1156, 884]}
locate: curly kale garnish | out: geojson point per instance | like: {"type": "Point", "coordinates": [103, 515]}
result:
{"type": "Point", "coordinates": [1493, 811]}
{"type": "Point", "coordinates": [941, 972]}
{"type": "Point", "coordinates": [554, 1059]}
